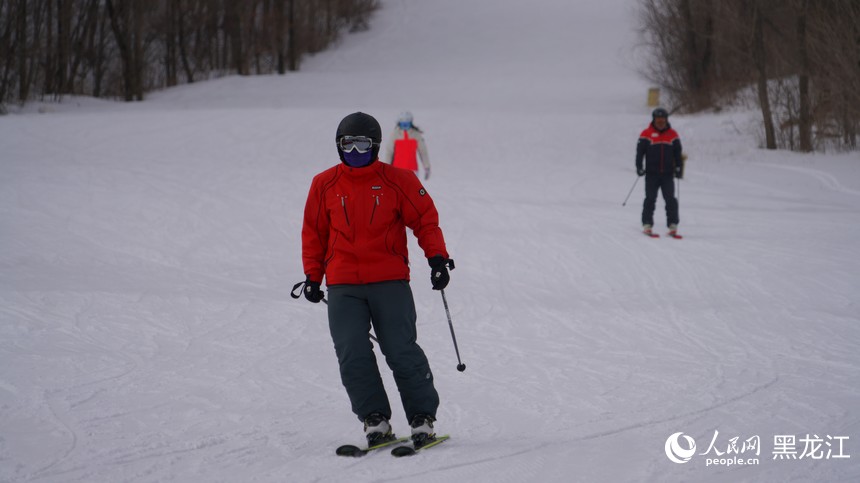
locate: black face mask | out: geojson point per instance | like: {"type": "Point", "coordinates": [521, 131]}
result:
{"type": "Point", "coordinates": [356, 159]}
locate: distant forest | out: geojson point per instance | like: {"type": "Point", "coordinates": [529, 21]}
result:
{"type": "Point", "coordinates": [125, 48]}
{"type": "Point", "coordinates": [800, 59]}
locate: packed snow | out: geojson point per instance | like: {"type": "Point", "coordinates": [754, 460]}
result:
{"type": "Point", "coordinates": [148, 251]}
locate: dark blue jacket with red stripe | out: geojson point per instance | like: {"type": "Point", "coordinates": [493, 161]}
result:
{"type": "Point", "coordinates": [661, 150]}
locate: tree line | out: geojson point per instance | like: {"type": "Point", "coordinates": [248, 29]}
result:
{"type": "Point", "coordinates": [125, 48]}
{"type": "Point", "coordinates": [799, 60]}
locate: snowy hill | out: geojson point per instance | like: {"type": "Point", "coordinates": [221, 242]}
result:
{"type": "Point", "coordinates": [148, 251]}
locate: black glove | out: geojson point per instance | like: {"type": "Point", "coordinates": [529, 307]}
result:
{"type": "Point", "coordinates": [312, 291]}
{"type": "Point", "coordinates": [640, 171]}
{"type": "Point", "coordinates": [439, 271]}
{"type": "Point", "coordinates": [678, 173]}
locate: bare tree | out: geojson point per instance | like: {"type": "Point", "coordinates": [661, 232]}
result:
{"type": "Point", "coordinates": [11, 42]}
{"type": "Point", "coordinates": [804, 120]}
{"type": "Point", "coordinates": [760, 62]}
{"type": "Point", "coordinates": [801, 57]}
{"type": "Point", "coordinates": [127, 25]}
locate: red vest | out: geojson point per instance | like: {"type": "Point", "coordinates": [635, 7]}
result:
{"type": "Point", "coordinates": [406, 153]}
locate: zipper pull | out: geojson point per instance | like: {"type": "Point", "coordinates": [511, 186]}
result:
{"type": "Point", "coordinates": [375, 204]}
{"type": "Point", "coordinates": [343, 204]}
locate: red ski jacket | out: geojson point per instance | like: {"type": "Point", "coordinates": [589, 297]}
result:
{"type": "Point", "coordinates": [661, 150]}
{"type": "Point", "coordinates": [355, 220]}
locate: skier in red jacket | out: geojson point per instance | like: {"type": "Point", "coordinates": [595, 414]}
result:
{"type": "Point", "coordinates": [660, 147]}
{"type": "Point", "coordinates": [354, 235]}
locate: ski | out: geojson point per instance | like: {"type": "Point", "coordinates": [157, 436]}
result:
{"type": "Point", "coordinates": [407, 450]}
{"type": "Point", "coordinates": [355, 451]}
{"type": "Point", "coordinates": [675, 235]}
{"type": "Point", "coordinates": [651, 234]}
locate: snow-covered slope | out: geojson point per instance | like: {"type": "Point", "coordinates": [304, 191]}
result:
{"type": "Point", "coordinates": [147, 252]}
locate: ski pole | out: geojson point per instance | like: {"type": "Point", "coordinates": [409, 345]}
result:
{"type": "Point", "coordinates": [460, 366]}
{"type": "Point", "coordinates": [631, 191]}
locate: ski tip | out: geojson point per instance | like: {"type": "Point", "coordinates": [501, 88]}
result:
{"type": "Point", "coordinates": [350, 450]}
{"type": "Point", "coordinates": [401, 451]}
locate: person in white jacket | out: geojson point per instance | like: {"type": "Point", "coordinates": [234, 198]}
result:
{"type": "Point", "coordinates": [406, 146]}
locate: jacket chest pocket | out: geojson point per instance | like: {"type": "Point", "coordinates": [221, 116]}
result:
{"type": "Point", "coordinates": [382, 210]}
{"type": "Point", "coordinates": [340, 210]}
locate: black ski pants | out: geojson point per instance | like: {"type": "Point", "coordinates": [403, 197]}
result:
{"type": "Point", "coordinates": [666, 184]}
{"type": "Point", "coordinates": [390, 309]}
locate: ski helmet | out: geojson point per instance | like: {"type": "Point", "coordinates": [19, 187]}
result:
{"type": "Point", "coordinates": [359, 124]}
{"type": "Point", "coordinates": [659, 112]}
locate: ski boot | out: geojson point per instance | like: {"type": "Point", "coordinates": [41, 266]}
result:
{"type": "Point", "coordinates": [377, 429]}
{"type": "Point", "coordinates": [422, 430]}
{"type": "Point", "coordinates": [646, 229]}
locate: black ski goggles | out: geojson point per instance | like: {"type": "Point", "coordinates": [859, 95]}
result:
{"type": "Point", "coordinates": [348, 144]}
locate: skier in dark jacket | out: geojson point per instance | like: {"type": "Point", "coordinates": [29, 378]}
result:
{"type": "Point", "coordinates": [660, 147]}
{"type": "Point", "coordinates": [354, 235]}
